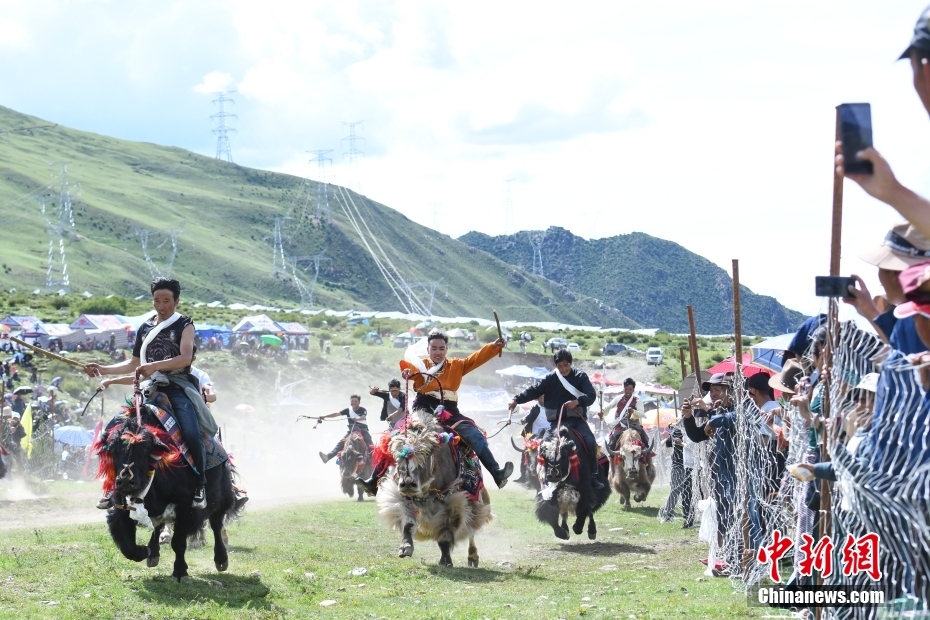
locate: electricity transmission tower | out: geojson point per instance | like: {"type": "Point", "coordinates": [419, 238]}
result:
{"type": "Point", "coordinates": [508, 213]}
{"type": "Point", "coordinates": [322, 191]}
{"type": "Point", "coordinates": [147, 234]}
{"type": "Point", "coordinates": [431, 287]}
{"type": "Point", "coordinates": [223, 149]}
{"type": "Point", "coordinates": [536, 240]}
{"type": "Point", "coordinates": [353, 154]}
{"type": "Point", "coordinates": [306, 294]}
{"type": "Point", "coordinates": [59, 225]}
{"type": "Point", "coordinates": [278, 262]}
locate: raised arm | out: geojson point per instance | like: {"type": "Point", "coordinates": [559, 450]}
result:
{"type": "Point", "coordinates": [482, 355]}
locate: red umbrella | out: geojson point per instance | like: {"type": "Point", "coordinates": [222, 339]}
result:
{"type": "Point", "coordinates": [597, 377]}
{"type": "Point", "coordinates": [729, 365]}
{"type": "Point", "coordinates": [414, 331]}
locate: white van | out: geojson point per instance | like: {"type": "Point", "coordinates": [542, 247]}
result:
{"type": "Point", "coordinates": [654, 355]}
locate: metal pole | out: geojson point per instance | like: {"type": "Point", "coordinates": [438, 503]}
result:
{"type": "Point", "coordinates": [694, 348]}
{"type": "Point", "coordinates": [737, 320]}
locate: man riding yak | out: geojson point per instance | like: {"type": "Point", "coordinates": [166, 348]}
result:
{"type": "Point", "coordinates": [569, 387]}
{"type": "Point", "coordinates": [438, 369]}
{"type": "Point", "coordinates": [357, 418]}
{"type": "Point", "coordinates": [628, 411]}
{"type": "Point", "coordinates": [162, 352]}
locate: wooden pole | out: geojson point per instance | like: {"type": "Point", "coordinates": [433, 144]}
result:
{"type": "Point", "coordinates": [737, 319]}
{"type": "Point", "coordinates": [696, 364]}
{"type": "Point", "coordinates": [681, 355]}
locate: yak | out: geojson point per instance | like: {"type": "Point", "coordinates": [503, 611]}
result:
{"type": "Point", "coordinates": [564, 474]}
{"type": "Point", "coordinates": [425, 498]}
{"type": "Point", "coordinates": [631, 468]}
{"type": "Point", "coordinates": [126, 450]}
{"type": "Point", "coordinates": [530, 451]}
{"type": "Point", "coordinates": [354, 461]}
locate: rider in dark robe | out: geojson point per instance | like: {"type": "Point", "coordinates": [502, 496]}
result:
{"type": "Point", "coordinates": [162, 352]}
{"type": "Point", "coordinates": [570, 387]}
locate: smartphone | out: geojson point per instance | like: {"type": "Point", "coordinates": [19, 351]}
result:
{"type": "Point", "coordinates": [833, 286]}
{"type": "Point", "coordinates": [856, 134]}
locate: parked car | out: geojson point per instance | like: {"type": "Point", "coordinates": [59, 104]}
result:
{"type": "Point", "coordinates": [573, 347]}
{"type": "Point", "coordinates": [654, 355]}
{"type": "Point", "coordinates": [558, 343]}
{"type": "Point", "coordinates": [613, 348]}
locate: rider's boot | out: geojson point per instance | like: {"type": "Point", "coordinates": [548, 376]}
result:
{"type": "Point", "coordinates": [325, 457]}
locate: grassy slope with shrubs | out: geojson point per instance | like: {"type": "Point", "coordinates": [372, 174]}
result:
{"type": "Point", "coordinates": [227, 215]}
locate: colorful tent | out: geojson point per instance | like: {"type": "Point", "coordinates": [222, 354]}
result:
{"type": "Point", "coordinates": [258, 324]}
{"type": "Point", "coordinates": [106, 322]}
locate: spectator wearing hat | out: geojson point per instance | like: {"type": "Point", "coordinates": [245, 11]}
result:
{"type": "Point", "coordinates": [801, 340]}
{"type": "Point", "coordinates": [882, 184]}
{"type": "Point", "coordinates": [768, 459]}
{"type": "Point", "coordinates": [721, 428]}
{"type": "Point", "coordinates": [903, 247]}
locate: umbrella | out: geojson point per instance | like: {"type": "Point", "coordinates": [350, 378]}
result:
{"type": "Point", "coordinates": [770, 353]}
{"type": "Point", "coordinates": [666, 416]}
{"type": "Point", "coordinates": [244, 345]}
{"type": "Point", "coordinates": [74, 436]}
{"type": "Point", "coordinates": [424, 325]}
{"type": "Point", "coordinates": [245, 408]}
{"type": "Point", "coordinates": [414, 331]}
{"type": "Point", "coordinates": [272, 340]}
{"type": "Point", "coordinates": [23, 390]}
{"type": "Point", "coordinates": [729, 365]}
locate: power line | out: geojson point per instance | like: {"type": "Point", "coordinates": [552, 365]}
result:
{"type": "Point", "coordinates": [278, 264]}
{"type": "Point", "coordinates": [223, 149]}
{"type": "Point", "coordinates": [59, 225]}
{"type": "Point", "coordinates": [322, 190]}
{"type": "Point", "coordinates": [536, 239]}
{"type": "Point", "coordinates": [306, 294]}
{"type": "Point", "coordinates": [431, 287]}
{"type": "Point", "coordinates": [170, 234]}
{"type": "Point", "coordinates": [353, 154]}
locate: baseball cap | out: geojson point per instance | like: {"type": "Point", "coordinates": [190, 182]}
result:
{"type": "Point", "coordinates": [910, 308]}
{"type": "Point", "coordinates": [921, 39]}
{"type": "Point", "coordinates": [903, 247]}
{"type": "Point", "coordinates": [759, 381]}
{"type": "Point", "coordinates": [802, 337]}
{"type": "Point", "coordinates": [913, 281]}
{"type": "Point", "coordinates": [718, 378]}
{"type": "Point", "coordinates": [868, 382]}
{"type": "Point", "coordinates": [16, 414]}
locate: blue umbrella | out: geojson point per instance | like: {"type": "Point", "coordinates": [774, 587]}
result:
{"type": "Point", "coordinates": [74, 436]}
{"type": "Point", "coordinates": [770, 354]}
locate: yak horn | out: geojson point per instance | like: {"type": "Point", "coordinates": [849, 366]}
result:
{"type": "Point", "coordinates": [515, 446]}
{"type": "Point", "coordinates": [609, 451]}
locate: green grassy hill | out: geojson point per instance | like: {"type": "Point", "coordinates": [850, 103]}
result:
{"type": "Point", "coordinates": [648, 279]}
{"type": "Point", "coordinates": [227, 215]}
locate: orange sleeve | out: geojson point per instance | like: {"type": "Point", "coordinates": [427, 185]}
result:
{"type": "Point", "coordinates": [418, 379]}
{"type": "Point", "coordinates": [479, 357]}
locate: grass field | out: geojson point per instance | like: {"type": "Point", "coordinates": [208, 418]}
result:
{"type": "Point", "coordinates": [286, 561]}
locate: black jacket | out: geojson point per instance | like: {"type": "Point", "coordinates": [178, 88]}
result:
{"type": "Point", "coordinates": [386, 397]}
{"type": "Point", "coordinates": [556, 395]}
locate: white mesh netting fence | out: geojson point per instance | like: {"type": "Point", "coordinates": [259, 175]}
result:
{"type": "Point", "coordinates": [878, 442]}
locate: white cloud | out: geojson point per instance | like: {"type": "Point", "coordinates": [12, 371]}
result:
{"type": "Point", "coordinates": [709, 124]}
{"type": "Point", "coordinates": [12, 34]}
{"type": "Point", "coordinates": [215, 81]}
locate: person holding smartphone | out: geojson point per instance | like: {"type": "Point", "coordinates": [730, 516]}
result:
{"type": "Point", "coordinates": [721, 428]}
{"type": "Point", "coordinates": [882, 183]}
{"type": "Point", "coordinates": [903, 247]}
